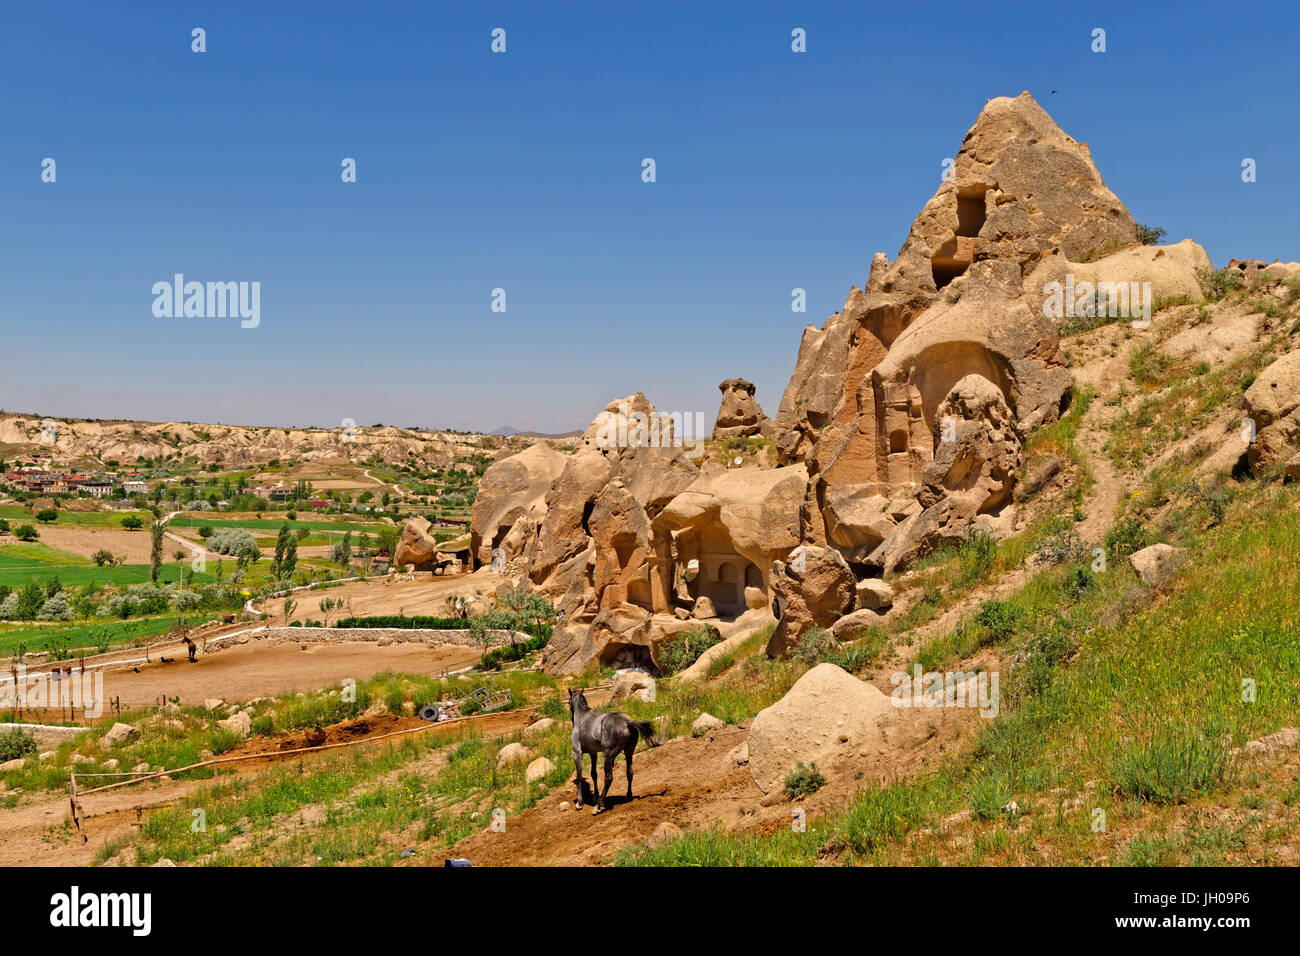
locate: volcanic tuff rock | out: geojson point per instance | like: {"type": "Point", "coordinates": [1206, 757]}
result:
{"type": "Point", "coordinates": [1273, 403]}
{"type": "Point", "coordinates": [828, 717]}
{"type": "Point", "coordinates": [740, 416]}
{"type": "Point", "coordinates": [902, 424]}
{"type": "Point", "coordinates": [862, 407]}
{"type": "Point", "coordinates": [813, 589]}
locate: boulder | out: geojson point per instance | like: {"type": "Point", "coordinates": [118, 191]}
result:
{"type": "Point", "coordinates": [1273, 403]}
{"type": "Point", "coordinates": [632, 684]}
{"type": "Point", "coordinates": [416, 547]}
{"type": "Point", "coordinates": [511, 753]}
{"type": "Point", "coordinates": [14, 764]}
{"type": "Point", "coordinates": [704, 724]}
{"type": "Point", "coordinates": [538, 727]}
{"type": "Point", "coordinates": [828, 717]}
{"type": "Point", "coordinates": [739, 755]}
{"type": "Point", "coordinates": [814, 589]}
{"type": "Point", "coordinates": [1155, 564]}
{"type": "Point", "coordinates": [874, 594]}
{"type": "Point", "coordinates": [240, 723]}
{"type": "Point", "coordinates": [665, 831]}
{"type": "Point", "coordinates": [703, 609]}
{"type": "Point", "coordinates": [755, 598]}
{"type": "Point", "coordinates": [120, 734]}
{"type": "Point", "coordinates": [851, 626]}
{"type": "Point", "coordinates": [538, 770]}
{"type": "Point", "coordinates": [213, 703]}
{"type": "Point", "coordinates": [739, 415]}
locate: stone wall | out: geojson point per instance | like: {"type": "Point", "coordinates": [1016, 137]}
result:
{"type": "Point", "coordinates": [380, 635]}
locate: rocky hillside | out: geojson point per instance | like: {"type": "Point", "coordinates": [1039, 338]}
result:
{"type": "Point", "coordinates": [237, 446]}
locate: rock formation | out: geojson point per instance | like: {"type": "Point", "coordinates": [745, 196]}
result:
{"type": "Point", "coordinates": [954, 326]}
{"type": "Point", "coordinates": [902, 424]}
{"type": "Point", "coordinates": [1273, 404]}
{"type": "Point", "coordinates": [740, 416]}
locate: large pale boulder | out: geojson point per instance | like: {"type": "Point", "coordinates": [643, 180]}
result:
{"type": "Point", "coordinates": [1155, 564]}
{"type": "Point", "coordinates": [239, 723]}
{"type": "Point", "coordinates": [537, 770]}
{"type": "Point", "coordinates": [120, 734]}
{"type": "Point", "coordinates": [511, 753]}
{"type": "Point", "coordinates": [813, 589]}
{"type": "Point", "coordinates": [1273, 403]}
{"type": "Point", "coordinates": [739, 416]}
{"type": "Point", "coordinates": [416, 546]}
{"type": "Point", "coordinates": [828, 717]}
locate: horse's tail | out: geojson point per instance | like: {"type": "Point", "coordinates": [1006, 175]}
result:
{"type": "Point", "coordinates": [646, 730]}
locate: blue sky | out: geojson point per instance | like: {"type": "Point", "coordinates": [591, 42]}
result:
{"type": "Point", "coordinates": [522, 171]}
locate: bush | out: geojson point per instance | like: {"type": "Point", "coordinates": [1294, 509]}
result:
{"type": "Point", "coordinates": [46, 515]}
{"type": "Point", "coordinates": [16, 743]}
{"type": "Point", "coordinates": [132, 523]}
{"type": "Point", "coordinates": [803, 780]}
{"type": "Point", "coordinates": [25, 532]}
{"type": "Point", "coordinates": [1217, 283]}
{"type": "Point", "coordinates": [976, 553]}
{"type": "Point", "coordinates": [1000, 620]}
{"type": "Point", "coordinates": [1149, 235]}
{"type": "Point", "coordinates": [683, 649]}
{"type": "Point", "coordinates": [814, 646]}
{"type": "Point", "coordinates": [1126, 537]}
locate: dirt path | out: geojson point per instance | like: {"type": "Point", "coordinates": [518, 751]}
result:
{"type": "Point", "coordinates": [261, 669]}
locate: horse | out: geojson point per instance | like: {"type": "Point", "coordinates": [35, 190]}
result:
{"type": "Point", "coordinates": [595, 731]}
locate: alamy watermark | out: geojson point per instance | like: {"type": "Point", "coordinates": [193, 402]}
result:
{"type": "Point", "coordinates": [635, 429]}
{"type": "Point", "coordinates": [1118, 300]}
{"type": "Point", "coordinates": [976, 689]}
{"type": "Point", "coordinates": [212, 300]}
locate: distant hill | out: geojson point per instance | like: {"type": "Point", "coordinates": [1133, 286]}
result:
{"type": "Point", "coordinates": [505, 431]}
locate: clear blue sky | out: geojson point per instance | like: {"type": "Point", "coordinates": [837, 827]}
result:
{"type": "Point", "coordinates": [523, 171]}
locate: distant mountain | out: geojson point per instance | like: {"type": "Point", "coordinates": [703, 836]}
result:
{"type": "Point", "coordinates": [505, 431]}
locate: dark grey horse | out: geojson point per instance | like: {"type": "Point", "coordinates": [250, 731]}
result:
{"type": "Point", "coordinates": [595, 731]}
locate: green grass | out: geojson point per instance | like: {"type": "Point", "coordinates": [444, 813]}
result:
{"type": "Point", "coordinates": [15, 514]}
{"type": "Point", "coordinates": [46, 563]}
{"type": "Point", "coordinates": [88, 635]}
{"type": "Point", "coordinates": [1142, 695]}
{"type": "Point", "coordinates": [274, 524]}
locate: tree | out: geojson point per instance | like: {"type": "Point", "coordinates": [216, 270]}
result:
{"type": "Point", "coordinates": [205, 532]}
{"type": "Point", "coordinates": [281, 546]}
{"type": "Point", "coordinates": [132, 523]}
{"type": "Point", "coordinates": [342, 554]}
{"type": "Point", "coordinates": [46, 515]}
{"type": "Point", "coordinates": [326, 606]}
{"type": "Point", "coordinates": [290, 561]}
{"type": "Point", "coordinates": [156, 549]}
{"type": "Point", "coordinates": [290, 605]}
{"type": "Point", "coordinates": [4, 526]}
{"type": "Point", "coordinates": [102, 557]}
{"type": "Point", "coordinates": [25, 532]}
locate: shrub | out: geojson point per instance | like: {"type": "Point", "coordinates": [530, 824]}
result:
{"type": "Point", "coordinates": [1000, 620]}
{"type": "Point", "coordinates": [803, 780]}
{"type": "Point", "coordinates": [132, 523]}
{"type": "Point", "coordinates": [1217, 283]}
{"type": "Point", "coordinates": [1124, 538]}
{"type": "Point", "coordinates": [16, 743]}
{"type": "Point", "coordinates": [976, 554]}
{"type": "Point", "coordinates": [25, 532]}
{"type": "Point", "coordinates": [1149, 235]}
{"type": "Point", "coordinates": [814, 646]}
{"type": "Point", "coordinates": [46, 515]}
{"type": "Point", "coordinates": [684, 648]}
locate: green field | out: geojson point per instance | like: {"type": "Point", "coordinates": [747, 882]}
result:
{"type": "Point", "coordinates": [90, 635]}
{"type": "Point", "coordinates": [272, 524]}
{"type": "Point", "coordinates": [17, 514]}
{"type": "Point", "coordinates": [22, 563]}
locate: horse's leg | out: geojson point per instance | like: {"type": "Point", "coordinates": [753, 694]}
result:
{"type": "Point", "coordinates": [628, 751]}
{"type": "Point", "coordinates": [610, 757]}
{"type": "Point", "coordinates": [595, 777]}
{"type": "Point", "coordinates": [577, 780]}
